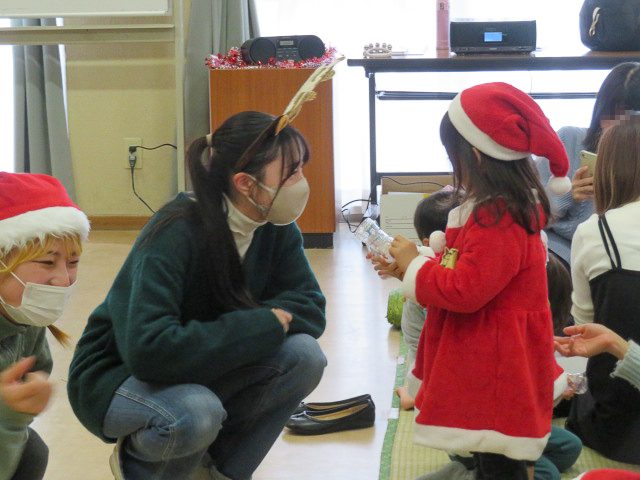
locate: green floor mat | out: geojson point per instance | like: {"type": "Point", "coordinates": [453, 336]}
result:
{"type": "Point", "coordinates": [401, 459]}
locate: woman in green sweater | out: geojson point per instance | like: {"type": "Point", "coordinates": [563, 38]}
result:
{"type": "Point", "coordinates": [41, 234]}
{"type": "Point", "coordinates": [205, 343]}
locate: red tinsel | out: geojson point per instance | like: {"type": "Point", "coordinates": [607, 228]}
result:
{"type": "Point", "coordinates": [234, 60]}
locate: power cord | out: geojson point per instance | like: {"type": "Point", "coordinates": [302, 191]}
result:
{"type": "Point", "coordinates": [132, 165]}
{"type": "Point", "coordinates": [344, 209]}
{"type": "Point", "coordinates": [152, 148]}
{"type": "Point", "coordinates": [412, 183]}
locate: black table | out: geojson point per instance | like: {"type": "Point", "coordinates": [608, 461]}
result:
{"type": "Point", "coordinates": [547, 59]}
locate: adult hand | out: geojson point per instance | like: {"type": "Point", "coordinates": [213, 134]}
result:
{"type": "Point", "coordinates": [581, 186]}
{"type": "Point", "coordinates": [284, 318]}
{"type": "Point", "coordinates": [404, 251]}
{"type": "Point", "coordinates": [29, 395]}
{"type": "Point", "coordinates": [590, 339]}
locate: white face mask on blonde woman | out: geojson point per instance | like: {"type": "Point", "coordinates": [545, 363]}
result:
{"type": "Point", "coordinates": [37, 291]}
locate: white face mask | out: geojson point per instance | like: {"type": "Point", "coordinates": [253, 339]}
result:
{"type": "Point", "coordinates": [41, 305]}
{"type": "Point", "coordinates": [287, 204]}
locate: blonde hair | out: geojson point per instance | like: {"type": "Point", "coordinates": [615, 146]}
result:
{"type": "Point", "coordinates": [34, 249]}
{"type": "Point", "coordinates": [617, 172]}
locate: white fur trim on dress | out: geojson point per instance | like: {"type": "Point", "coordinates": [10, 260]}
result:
{"type": "Point", "coordinates": [426, 251]}
{"type": "Point", "coordinates": [37, 224]}
{"type": "Point", "coordinates": [580, 476]}
{"type": "Point", "coordinates": [458, 217]}
{"type": "Point", "coordinates": [559, 386]}
{"type": "Point", "coordinates": [545, 244]}
{"type": "Point", "coordinates": [477, 137]}
{"type": "Point", "coordinates": [409, 280]}
{"type": "Point", "coordinates": [456, 440]}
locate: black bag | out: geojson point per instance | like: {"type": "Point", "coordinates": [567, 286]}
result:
{"type": "Point", "coordinates": [610, 25]}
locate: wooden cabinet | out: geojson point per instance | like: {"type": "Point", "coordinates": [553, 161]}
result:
{"type": "Point", "coordinates": [270, 90]}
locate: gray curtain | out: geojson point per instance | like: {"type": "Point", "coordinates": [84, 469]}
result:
{"type": "Point", "coordinates": [214, 27]}
{"type": "Point", "coordinates": [41, 135]}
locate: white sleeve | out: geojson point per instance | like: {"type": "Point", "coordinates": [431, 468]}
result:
{"type": "Point", "coordinates": [582, 304]}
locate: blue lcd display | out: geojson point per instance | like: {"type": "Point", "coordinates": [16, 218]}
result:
{"type": "Point", "coordinates": [492, 36]}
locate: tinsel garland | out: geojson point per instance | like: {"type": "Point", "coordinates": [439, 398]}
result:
{"type": "Point", "coordinates": [234, 60]}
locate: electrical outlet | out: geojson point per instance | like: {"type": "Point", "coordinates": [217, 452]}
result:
{"type": "Point", "coordinates": [132, 142]}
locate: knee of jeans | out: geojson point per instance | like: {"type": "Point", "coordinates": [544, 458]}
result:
{"type": "Point", "coordinates": [198, 419]}
{"type": "Point", "coordinates": [544, 469]}
{"type": "Point", "coordinates": [571, 450]}
{"type": "Point", "coordinates": [311, 360]}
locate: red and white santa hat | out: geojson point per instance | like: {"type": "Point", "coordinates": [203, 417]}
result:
{"type": "Point", "coordinates": [33, 206]}
{"type": "Point", "coordinates": [507, 124]}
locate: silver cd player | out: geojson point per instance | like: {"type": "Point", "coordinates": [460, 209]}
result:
{"type": "Point", "coordinates": [492, 36]}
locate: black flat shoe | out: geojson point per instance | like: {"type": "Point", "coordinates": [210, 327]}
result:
{"type": "Point", "coordinates": [361, 415]}
{"type": "Point", "coordinates": [321, 406]}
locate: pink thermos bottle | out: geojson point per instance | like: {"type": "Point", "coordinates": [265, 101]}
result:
{"type": "Point", "coordinates": [442, 24]}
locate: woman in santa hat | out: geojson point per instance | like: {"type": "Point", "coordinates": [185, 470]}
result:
{"type": "Point", "coordinates": [486, 357]}
{"type": "Point", "coordinates": [41, 235]}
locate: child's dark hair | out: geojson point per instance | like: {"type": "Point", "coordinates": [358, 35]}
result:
{"type": "Point", "coordinates": [432, 212]}
{"type": "Point", "coordinates": [211, 168]}
{"type": "Point", "coordinates": [560, 286]}
{"type": "Point", "coordinates": [515, 182]}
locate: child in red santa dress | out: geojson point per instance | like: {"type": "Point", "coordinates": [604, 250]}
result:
{"type": "Point", "coordinates": [485, 359]}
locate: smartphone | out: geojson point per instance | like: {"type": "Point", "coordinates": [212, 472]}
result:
{"type": "Point", "coordinates": [588, 159]}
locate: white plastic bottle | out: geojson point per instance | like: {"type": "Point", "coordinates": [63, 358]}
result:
{"type": "Point", "coordinates": [376, 240]}
{"type": "Point", "coordinates": [442, 24]}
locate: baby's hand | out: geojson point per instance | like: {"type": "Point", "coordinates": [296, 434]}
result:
{"type": "Point", "coordinates": [568, 393]}
{"type": "Point", "coordinates": [404, 251]}
{"type": "Point", "coordinates": [384, 268]}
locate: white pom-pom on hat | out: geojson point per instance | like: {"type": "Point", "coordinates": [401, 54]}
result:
{"type": "Point", "coordinates": [437, 241]}
{"type": "Point", "coordinates": [559, 185]}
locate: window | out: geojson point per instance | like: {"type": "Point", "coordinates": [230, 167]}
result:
{"type": "Point", "coordinates": [407, 131]}
{"type": "Point", "coordinates": [6, 100]}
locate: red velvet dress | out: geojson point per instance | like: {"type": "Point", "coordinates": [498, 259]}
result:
{"type": "Point", "coordinates": [485, 356]}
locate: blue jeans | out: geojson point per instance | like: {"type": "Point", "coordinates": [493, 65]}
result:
{"type": "Point", "coordinates": [562, 451]}
{"type": "Point", "coordinates": [167, 429]}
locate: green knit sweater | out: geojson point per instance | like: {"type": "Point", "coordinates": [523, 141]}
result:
{"type": "Point", "coordinates": [160, 324]}
{"type": "Point", "coordinates": [17, 342]}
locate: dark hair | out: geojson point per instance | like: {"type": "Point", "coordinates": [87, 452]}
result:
{"type": "Point", "coordinates": [211, 169]}
{"type": "Point", "coordinates": [617, 172]}
{"type": "Point", "coordinates": [559, 287]}
{"type": "Point", "coordinates": [515, 182]}
{"type": "Point", "coordinates": [619, 91]}
{"type": "Point", "coordinates": [432, 212]}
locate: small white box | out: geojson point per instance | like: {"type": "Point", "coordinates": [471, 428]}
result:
{"type": "Point", "coordinates": [396, 214]}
